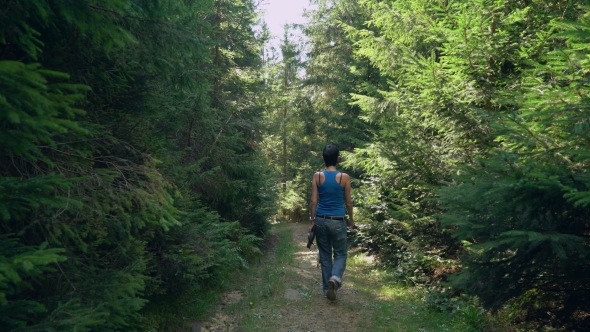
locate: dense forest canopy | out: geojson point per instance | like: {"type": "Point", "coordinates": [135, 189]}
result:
{"type": "Point", "coordinates": [122, 122]}
{"type": "Point", "coordinates": [465, 124]}
{"type": "Point", "coordinates": [146, 144]}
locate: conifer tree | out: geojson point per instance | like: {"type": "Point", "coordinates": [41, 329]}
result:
{"type": "Point", "coordinates": [525, 234]}
{"type": "Point", "coordinates": [478, 105]}
{"type": "Point", "coordinates": [284, 119]}
{"type": "Point", "coordinates": [108, 156]}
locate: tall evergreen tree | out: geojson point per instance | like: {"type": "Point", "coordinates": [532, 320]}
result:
{"type": "Point", "coordinates": [284, 119]}
{"type": "Point", "coordinates": [166, 101]}
{"type": "Point", "coordinates": [472, 106]}
{"type": "Point", "coordinates": [526, 233]}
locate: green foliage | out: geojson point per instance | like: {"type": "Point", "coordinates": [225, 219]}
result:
{"type": "Point", "coordinates": [21, 264]}
{"type": "Point", "coordinates": [285, 120]}
{"type": "Point", "coordinates": [309, 101]}
{"type": "Point", "coordinates": [33, 109]}
{"type": "Point", "coordinates": [121, 124]}
{"type": "Point", "coordinates": [477, 129]}
{"type": "Point", "coordinates": [522, 210]}
{"type": "Point", "coordinates": [466, 310]}
{"type": "Point", "coordinates": [140, 147]}
{"type": "Point", "coordinates": [292, 200]}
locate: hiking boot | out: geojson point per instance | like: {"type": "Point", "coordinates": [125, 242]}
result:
{"type": "Point", "coordinates": [332, 287]}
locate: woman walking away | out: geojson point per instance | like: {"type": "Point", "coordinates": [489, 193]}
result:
{"type": "Point", "coordinates": [329, 218]}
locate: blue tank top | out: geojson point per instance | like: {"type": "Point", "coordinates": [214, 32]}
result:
{"type": "Point", "coordinates": [331, 196]}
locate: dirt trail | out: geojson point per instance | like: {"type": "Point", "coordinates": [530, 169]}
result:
{"type": "Point", "coordinates": [297, 304]}
{"type": "Point", "coordinates": [318, 313]}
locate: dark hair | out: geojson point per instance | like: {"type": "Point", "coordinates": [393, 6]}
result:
{"type": "Point", "coordinates": [331, 154]}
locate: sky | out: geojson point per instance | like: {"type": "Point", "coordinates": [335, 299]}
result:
{"type": "Point", "coordinates": [277, 13]}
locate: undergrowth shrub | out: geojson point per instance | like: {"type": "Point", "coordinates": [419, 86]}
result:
{"type": "Point", "coordinates": [190, 265]}
{"type": "Point", "coordinates": [415, 249]}
{"type": "Point", "coordinates": [406, 260]}
{"type": "Point", "coordinates": [466, 311]}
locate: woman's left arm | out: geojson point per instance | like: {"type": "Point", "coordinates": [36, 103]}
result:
{"type": "Point", "coordinates": [314, 201]}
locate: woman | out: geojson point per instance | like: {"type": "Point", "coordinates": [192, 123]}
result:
{"type": "Point", "coordinates": [329, 218]}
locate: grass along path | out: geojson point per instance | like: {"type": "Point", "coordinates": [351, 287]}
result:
{"type": "Point", "coordinates": [283, 293]}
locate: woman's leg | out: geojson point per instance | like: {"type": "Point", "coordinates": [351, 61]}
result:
{"type": "Point", "coordinates": [340, 245]}
{"type": "Point", "coordinates": [324, 241]}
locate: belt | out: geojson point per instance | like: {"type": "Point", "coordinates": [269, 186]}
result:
{"type": "Point", "coordinates": [332, 217]}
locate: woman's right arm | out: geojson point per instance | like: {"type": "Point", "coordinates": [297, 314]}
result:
{"type": "Point", "coordinates": [348, 200]}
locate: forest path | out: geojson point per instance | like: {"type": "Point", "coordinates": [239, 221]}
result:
{"type": "Point", "coordinates": [283, 293]}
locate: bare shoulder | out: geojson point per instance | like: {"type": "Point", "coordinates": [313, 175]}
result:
{"type": "Point", "coordinates": [345, 178]}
